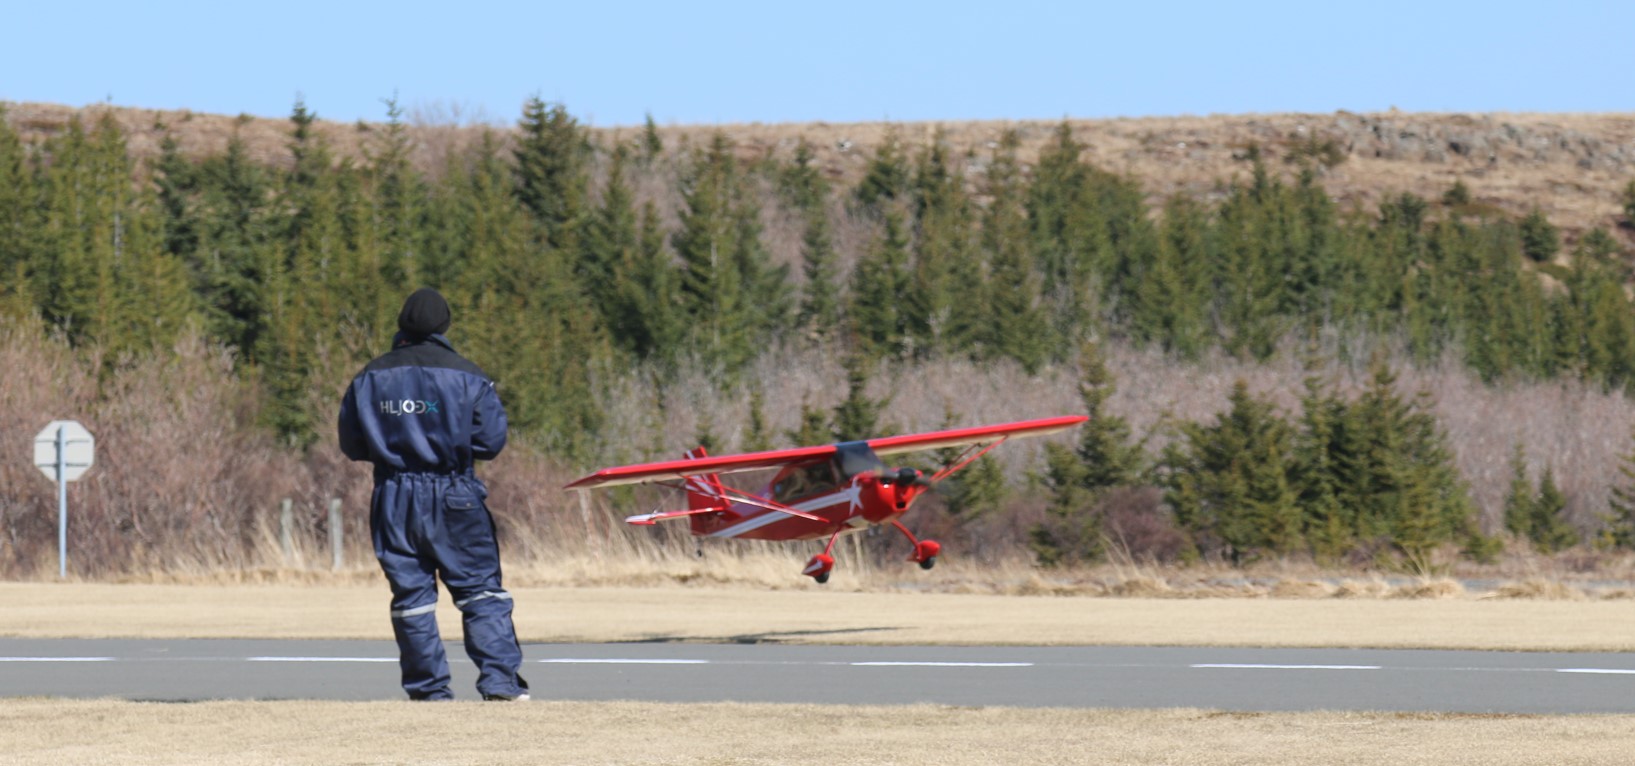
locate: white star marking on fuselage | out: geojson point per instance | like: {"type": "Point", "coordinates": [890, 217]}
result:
{"type": "Point", "coordinates": [853, 495]}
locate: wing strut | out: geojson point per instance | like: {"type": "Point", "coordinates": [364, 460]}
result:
{"type": "Point", "coordinates": [736, 496]}
{"type": "Point", "coordinates": [964, 459]}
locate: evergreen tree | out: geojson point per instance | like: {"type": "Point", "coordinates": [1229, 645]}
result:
{"type": "Point", "coordinates": [731, 292]}
{"type": "Point", "coordinates": [1317, 474]}
{"type": "Point", "coordinates": [756, 437]}
{"type": "Point", "coordinates": [236, 255]}
{"type": "Point", "coordinates": [1252, 269]}
{"type": "Point", "coordinates": [545, 365]}
{"type": "Point", "coordinates": [819, 306]}
{"type": "Point", "coordinates": [82, 233]}
{"type": "Point", "coordinates": [1597, 247]}
{"type": "Point", "coordinates": [706, 438]}
{"type": "Point", "coordinates": [1068, 237]}
{"type": "Point", "coordinates": [880, 281]}
{"type": "Point", "coordinates": [813, 429]}
{"type": "Point", "coordinates": [1620, 517]}
{"type": "Point", "coordinates": [1017, 326]}
{"type": "Point", "coordinates": [652, 143]}
{"type": "Point", "coordinates": [656, 290]}
{"type": "Point", "coordinates": [980, 489]}
{"type": "Point", "coordinates": [1171, 298]}
{"type": "Point", "coordinates": [176, 180]}
{"type": "Point", "coordinates": [100, 270]}
{"type": "Point", "coordinates": [1078, 479]}
{"type": "Point", "coordinates": [552, 166]}
{"type": "Point", "coordinates": [1551, 531]}
{"type": "Point", "coordinates": [805, 190]}
{"type": "Point", "coordinates": [801, 183]}
{"type": "Point", "coordinates": [1228, 483]}
{"type": "Point", "coordinates": [857, 417]}
{"type": "Point", "coordinates": [1457, 195]}
{"type": "Point", "coordinates": [616, 273]}
{"type": "Point", "coordinates": [1519, 513]}
{"type": "Point", "coordinates": [1072, 529]}
{"type": "Point", "coordinates": [1400, 478]}
{"type": "Point", "coordinates": [400, 199]}
{"type": "Point", "coordinates": [1105, 449]}
{"type": "Point", "coordinates": [1540, 240]}
{"type": "Point", "coordinates": [887, 174]}
{"type": "Point", "coordinates": [945, 307]}
{"type": "Point", "coordinates": [19, 224]}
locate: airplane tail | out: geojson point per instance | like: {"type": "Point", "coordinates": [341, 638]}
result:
{"type": "Point", "coordinates": [704, 491]}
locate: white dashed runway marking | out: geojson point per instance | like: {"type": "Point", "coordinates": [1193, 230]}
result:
{"type": "Point", "coordinates": [1246, 666]}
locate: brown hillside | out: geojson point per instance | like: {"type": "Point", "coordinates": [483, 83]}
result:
{"type": "Point", "coordinates": [1571, 166]}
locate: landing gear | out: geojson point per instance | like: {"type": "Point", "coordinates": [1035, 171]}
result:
{"type": "Point", "coordinates": [925, 551]}
{"type": "Point", "coordinates": [819, 567]}
{"type": "Point", "coordinates": [925, 554]}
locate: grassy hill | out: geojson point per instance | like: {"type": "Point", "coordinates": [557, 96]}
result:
{"type": "Point", "coordinates": [1569, 166]}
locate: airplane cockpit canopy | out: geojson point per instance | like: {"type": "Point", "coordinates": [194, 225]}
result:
{"type": "Point", "coordinates": [800, 481]}
{"type": "Point", "coordinates": [853, 458]}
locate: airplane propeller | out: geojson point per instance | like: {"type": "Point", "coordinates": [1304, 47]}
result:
{"type": "Point", "coordinates": [906, 476]}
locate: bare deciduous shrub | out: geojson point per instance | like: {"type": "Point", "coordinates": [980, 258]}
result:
{"type": "Point", "coordinates": [187, 482]}
{"type": "Point", "coordinates": [1138, 526]}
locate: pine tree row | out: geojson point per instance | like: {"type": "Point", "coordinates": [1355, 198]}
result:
{"type": "Point", "coordinates": [561, 277]}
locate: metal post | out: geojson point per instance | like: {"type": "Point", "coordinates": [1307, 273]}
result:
{"type": "Point", "coordinates": [335, 531]}
{"type": "Point", "coordinates": [286, 531]}
{"type": "Point", "coordinates": [62, 504]}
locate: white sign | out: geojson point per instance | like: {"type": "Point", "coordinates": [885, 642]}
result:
{"type": "Point", "coordinates": [78, 449]}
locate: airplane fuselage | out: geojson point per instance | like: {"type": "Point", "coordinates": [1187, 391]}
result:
{"type": "Point", "coordinates": [862, 502]}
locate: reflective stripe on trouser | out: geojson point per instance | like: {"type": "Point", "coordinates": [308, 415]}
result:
{"type": "Point", "coordinates": [426, 527]}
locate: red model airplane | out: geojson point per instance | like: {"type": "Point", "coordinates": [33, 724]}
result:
{"type": "Point", "coordinates": [817, 491]}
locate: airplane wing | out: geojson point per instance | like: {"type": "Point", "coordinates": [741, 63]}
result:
{"type": "Point", "coordinates": [964, 437]}
{"type": "Point", "coordinates": [886, 445]}
{"type": "Point", "coordinates": [646, 473]}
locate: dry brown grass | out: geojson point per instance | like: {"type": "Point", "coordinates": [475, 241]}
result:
{"type": "Point", "coordinates": [1437, 587]}
{"type": "Point", "coordinates": [811, 614]}
{"type": "Point", "coordinates": [33, 731]}
{"type": "Point", "coordinates": [1539, 588]}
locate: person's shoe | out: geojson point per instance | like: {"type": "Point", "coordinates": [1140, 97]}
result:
{"type": "Point", "coordinates": [518, 697]}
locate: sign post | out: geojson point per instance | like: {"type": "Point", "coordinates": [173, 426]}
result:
{"type": "Point", "coordinates": [64, 451]}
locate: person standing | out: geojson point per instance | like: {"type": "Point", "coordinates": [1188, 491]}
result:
{"type": "Point", "coordinates": [423, 414]}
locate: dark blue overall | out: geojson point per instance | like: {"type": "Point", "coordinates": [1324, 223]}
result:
{"type": "Point", "coordinates": [422, 414]}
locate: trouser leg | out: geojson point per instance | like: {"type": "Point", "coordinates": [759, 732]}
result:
{"type": "Point", "coordinates": [421, 656]}
{"type": "Point", "coordinates": [491, 642]}
{"type": "Point", "coordinates": [414, 609]}
{"type": "Point", "coordinates": [470, 559]}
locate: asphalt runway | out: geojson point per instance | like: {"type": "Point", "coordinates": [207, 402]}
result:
{"type": "Point", "coordinates": [1090, 676]}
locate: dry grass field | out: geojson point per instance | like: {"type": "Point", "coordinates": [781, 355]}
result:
{"type": "Point", "coordinates": [1439, 618]}
{"type": "Point", "coordinates": [34, 731]}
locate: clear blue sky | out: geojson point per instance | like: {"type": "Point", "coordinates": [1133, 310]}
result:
{"type": "Point", "coordinates": [613, 62]}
